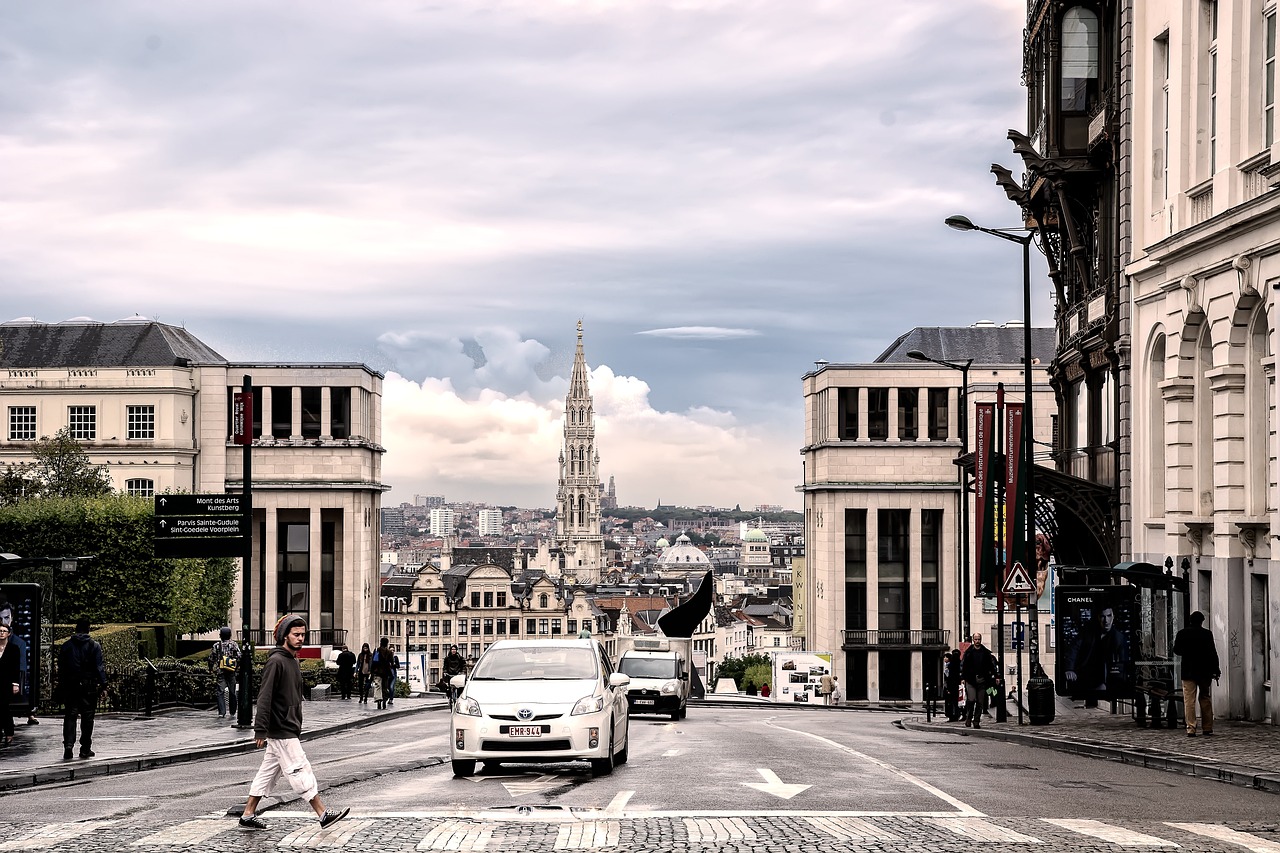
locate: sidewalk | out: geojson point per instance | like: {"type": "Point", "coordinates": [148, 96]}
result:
{"type": "Point", "coordinates": [1245, 754]}
{"type": "Point", "coordinates": [124, 743]}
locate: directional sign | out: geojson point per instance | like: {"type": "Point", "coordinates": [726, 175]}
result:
{"type": "Point", "coordinates": [189, 526]}
{"type": "Point", "coordinates": [1018, 580]}
{"type": "Point", "coordinates": [199, 504]}
{"type": "Point", "coordinates": [773, 785]}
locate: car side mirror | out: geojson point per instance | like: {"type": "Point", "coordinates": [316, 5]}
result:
{"type": "Point", "coordinates": [618, 679]}
{"type": "Point", "coordinates": [458, 681]}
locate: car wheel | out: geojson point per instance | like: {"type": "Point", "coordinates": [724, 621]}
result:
{"type": "Point", "coordinates": [604, 766]}
{"type": "Point", "coordinates": [675, 714]}
{"type": "Point", "coordinates": [464, 766]}
{"type": "Point", "coordinates": [684, 711]}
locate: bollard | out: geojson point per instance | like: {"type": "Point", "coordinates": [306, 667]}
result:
{"type": "Point", "coordinates": [1040, 700]}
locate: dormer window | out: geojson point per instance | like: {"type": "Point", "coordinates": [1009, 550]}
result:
{"type": "Point", "coordinates": [1080, 41]}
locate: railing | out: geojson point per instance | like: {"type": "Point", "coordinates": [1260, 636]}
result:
{"type": "Point", "coordinates": [319, 637]}
{"type": "Point", "coordinates": [921, 638]}
{"type": "Point", "coordinates": [146, 686]}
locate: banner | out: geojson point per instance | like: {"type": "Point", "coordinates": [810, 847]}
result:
{"type": "Point", "coordinates": [242, 418]}
{"type": "Point", "coordinates": [1015, 517]}
{"type": "Point", "coordinates": [984, 500]}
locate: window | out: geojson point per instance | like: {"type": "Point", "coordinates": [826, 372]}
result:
{"type": "Point", "coordinates": [435, 651]}
{"type": "Point", "coordinates": [1160, 130]}
{"type": "Point", "coordinates": [1207, 96]}
{"type": "Point", "coordinates": [930, 564]}
{"type": "Point", "coordinates": [502, 599]}
{"type": "Point", "coordinates": [586, 625]}
{"type": "Point", "coordinates": [542, 600]}
{"type": "Point", "coordinates": [140, 422]}
{"type": "Point", "coordinates": [939, 412]}
{"type": "Point", "coordinates": [555, 627]}
{"type": "Point", "coordinates": [847, 401]}
{"type": "Point", "coordinates": [435, 604]}
{"type": "Point", "coordinates": [293, 566]}
{"type": "Point", "coordinates": [140, 488]}
{"type": "Point", "coordinates": [310, 412]}
{"type": "Point", "coordinates": [573, 627]}
{"type": "Point", "coordinates": [855, 569]}
{"type": "Point", "coordinates": [340, 412]}
{"type": "Point", "coordinates": [514, 630]}
{"type": "Point", "coordinates": [83, 421]}
{"type": "Point", "coordinates": [878, 414]}
{"type": "Point", "coordinates": [531, 626]}
{"type": "Point", "coordinates": [501, 625]}
{"type": "Point", "coordinates": [462, 627]}
{"type": "Point", "coordinates": [446, 627]}
{"type": "Point", "coordinates": [281, 412]}
{"type": "Point", "coordinates": [435, 627]}
{"type": "Point", "coordinates": [1079, 59]}
{"type": "Point", "coordinates": [488, 627]}
{"type": "Point", "coordinates": [475, 599]}
{"type": "Point", "coordinates": [908, 408]}
{"type": "Point", "coordinates": [475, 627]}
{"type": "Point", "coordinates": [488, 599]}
{"type": "Point", "coordinates": [422, 628]}
{"type": "Point", "coordinates": [1269, 78]}
{"type": "Point", "coordinates": [22, 423]}
{"type": "Point", "coordinates": [544, 626]}
{"type": "Point", "coordinates": [892, 561]}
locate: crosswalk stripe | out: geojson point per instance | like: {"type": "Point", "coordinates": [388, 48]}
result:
{"type": "Point", "coordinates": [457, 835]}
{"type": "Point", "coordinates": [333, 836]}
{"type": "Point", "coordinates": [186, 834]}
{"type": "Point", "coordinates": [718, 829]}
{"type": "Point", "coordinates": [977, 829]}
{"type": "Point", "coordinates": [1107, 832]}
{"type": "Point", "coordinates": [1231, 836]}
{"type": "Point", "coordinates": [588, 834]}
{"type": "Point", "coordinates": [851, 829]}
{"type": "Point", "coordinates": [53, 833]}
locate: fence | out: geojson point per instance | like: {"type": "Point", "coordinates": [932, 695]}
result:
{"type": "Point", "coordinates": [147, 686]}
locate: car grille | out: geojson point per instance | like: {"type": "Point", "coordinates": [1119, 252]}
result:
{"type": "Point", "coordinates": [525, 746]}
{"type": "Point", "coordinates": [514, 719]}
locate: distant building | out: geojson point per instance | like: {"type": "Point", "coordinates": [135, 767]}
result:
{"type": "Point", "coordinates": [392, 522]}
{"type": "Point", "coordinates": [441, 521]}
{"type": "Point", "coordinates": [610, 498]}
{"type": "Point", "coordinates": [428, 501]}
{"type": "Point", "coordinates": [489, 522]}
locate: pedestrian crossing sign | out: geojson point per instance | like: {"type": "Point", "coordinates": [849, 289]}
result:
{"type": "Point", "coordinates": [1018, 580]}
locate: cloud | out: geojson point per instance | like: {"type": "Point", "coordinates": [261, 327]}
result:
{"type": "Point", "coordinates": [700, 333]}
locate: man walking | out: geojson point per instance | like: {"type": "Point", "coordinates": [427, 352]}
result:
{"type": "Point", "coordinates": [346, 669]}
{"type": "Point", "coordinates": [81, 679]}
{"type": "Point", "coordinates": [1199, 665]}
{"type": "Point", "coordinates": [277, 725]}
{"type": "Point", "coordinates": [224, 662]}
{"type": "Point", "coordinates": [977, 670]}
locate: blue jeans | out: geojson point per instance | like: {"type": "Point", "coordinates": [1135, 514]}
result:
{"type": "Point", "coordinates": [225, 687]}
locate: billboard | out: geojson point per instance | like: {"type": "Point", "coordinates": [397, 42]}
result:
{"type": "Point", "coordinates": [1094, 633]}
{"type": "Point", "coordinates": [20, 610]}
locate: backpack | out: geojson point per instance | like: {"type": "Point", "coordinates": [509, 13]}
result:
{"type": "Point", "coordinates": [228, 656]}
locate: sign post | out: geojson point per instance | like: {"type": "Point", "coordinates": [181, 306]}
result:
{"type": "Point", "coordinates": [243, 422]}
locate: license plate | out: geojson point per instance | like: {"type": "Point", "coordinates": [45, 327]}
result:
{"type": "Point", "coordinates": [525, 731]}
{"type": "Point", "coordinates": [644, 701]}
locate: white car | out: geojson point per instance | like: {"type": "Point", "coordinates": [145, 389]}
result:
{"type": "Point", "coordinates": [540, 701]}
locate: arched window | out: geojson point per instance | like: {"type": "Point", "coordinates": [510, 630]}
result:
{"type": "Point", "coordinates": [542, 600]}
{"type": "Point", "coordinates": [1204, 425]}
{"type": "Point", "coordinates": [1156, 438]}
{"type": "Point", "coordinates": [1080, 40]}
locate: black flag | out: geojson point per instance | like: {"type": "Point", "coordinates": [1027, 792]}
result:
{"type": "Point", "coordinates": [683, 620]}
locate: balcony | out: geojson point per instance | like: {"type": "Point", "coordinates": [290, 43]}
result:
{"type": "Point", "coordinates": [1095, 464]}
{"type": "Point", "coordinates": [927, 639]}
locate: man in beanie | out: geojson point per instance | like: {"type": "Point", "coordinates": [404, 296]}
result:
{"type": "Point", "coordinates": [224, 661]}
{"type": "Point", "coordinates": [277, 725]}
{"type": "Point", "coordinates": [81, 679]}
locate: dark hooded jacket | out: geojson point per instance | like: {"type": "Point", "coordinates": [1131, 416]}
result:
{"type": "Point", "coordinates": [278, 713]}
{"type": "Point", "coordinates": [80, 668]}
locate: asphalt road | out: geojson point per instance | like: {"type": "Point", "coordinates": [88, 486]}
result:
{"type": "Point", "coordinates": [722, 779]}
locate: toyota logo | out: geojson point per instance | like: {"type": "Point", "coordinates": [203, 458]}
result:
{"type": "Point", "coordinates": [525, 713]}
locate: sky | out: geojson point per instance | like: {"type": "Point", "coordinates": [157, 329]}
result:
{"type": "Point", "coordinates": [723, 191]}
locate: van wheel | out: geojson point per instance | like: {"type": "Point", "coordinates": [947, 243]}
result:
{"type": "Point", "coordinates": [604, 766]}
{"type": "Point", "coordinates": [464, 766]}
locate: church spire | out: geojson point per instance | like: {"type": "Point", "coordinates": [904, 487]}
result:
{"type": "Point", "coordinates": [578, 496]}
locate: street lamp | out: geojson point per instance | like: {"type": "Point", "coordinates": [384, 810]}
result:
{"type": "Point", "coordinates": [963, 367]}
{"type": "Point", "coordinates": [1023, 237]}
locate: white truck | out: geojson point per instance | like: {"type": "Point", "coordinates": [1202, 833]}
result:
{"type": "Point", "coordinates": [661, 674]}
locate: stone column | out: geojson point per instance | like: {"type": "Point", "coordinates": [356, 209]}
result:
{"type": "Point", "coordinates": [295, 415]}
{"type": "Point", "coordinates": [264, 417]}
{"type": "Point", "coordinates": [313, 568]}
{"type": "Point", "coordinates": [862, 414]}
{"type": "Point", "coordinates": [953, 414]}
{"type": "Point", "coordinates": [326, 413]}
{"type": "Point", "coordinates": [893, 415]}
{"type": "Point", "coordinates": [269, 597]}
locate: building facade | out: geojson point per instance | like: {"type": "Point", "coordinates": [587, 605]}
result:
{"type": "Point", "coordinates": [152, 404]}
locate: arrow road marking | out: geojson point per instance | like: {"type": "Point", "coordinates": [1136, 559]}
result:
{"type": "Point", "coordinates": [536, 786]}
{"type": "Point", "coordinates": [773, 785]}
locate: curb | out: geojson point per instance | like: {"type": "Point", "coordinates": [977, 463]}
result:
{"type": "Point", "coordinates": [51, 773]}
{"type": "Point", "coordinates": [1203, 768]}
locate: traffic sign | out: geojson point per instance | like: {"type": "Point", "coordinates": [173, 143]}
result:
{"type": "Point", "coordinates": [1018, 580]}
{"type": "Point", "coordinates": [199, 504]}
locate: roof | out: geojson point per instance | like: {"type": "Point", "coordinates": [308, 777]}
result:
{"type": "Point", "coordinates": [984, 344]}
{"type": "Point", "coordinates": [136, 342]}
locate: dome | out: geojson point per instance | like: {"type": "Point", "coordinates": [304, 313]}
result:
{"type": "Point", "coordinates": [755, 534]}
{"type": "Point", "coordinates": [662, 543]}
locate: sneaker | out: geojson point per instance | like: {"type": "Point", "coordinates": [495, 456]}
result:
{"type": "Point", "coordinates": [330, 818]}
{"type": "Point", "coordinates": [87, 753]}
{"type": "Point", "coordinates": [252, 822]}
{"type": "Point", "coordinates": [66, 754]}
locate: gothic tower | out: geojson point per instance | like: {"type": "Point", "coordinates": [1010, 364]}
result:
{"type": "Point", "coordinates": [578, 497]}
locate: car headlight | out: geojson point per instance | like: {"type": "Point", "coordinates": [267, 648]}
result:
{"type": "Point", "coordinates": [467, 707]}
{"type": "Point", "coordinates": [588, 705]}
{"type": "Point", "coordinates": [669, 688]}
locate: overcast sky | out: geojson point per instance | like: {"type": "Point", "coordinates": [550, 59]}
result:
{"type": "Point", "coordinates": [724, 192]}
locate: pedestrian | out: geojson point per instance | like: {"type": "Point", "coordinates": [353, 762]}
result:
{"type": "Point", "coordinates": [395, 677]}
{"type": "Point", "coordinates": [10, 685]}
{"type": "Point", "coordinates": [382, 672]}
{"type": "Point", "coordinates": [977, 670]}
{"type": "Point", "coordinates": [951, 685]}
{"type": "Point", "coordinates": [277, 725]}
{"type": "Point", "coordinates": [825, 686]}
{"type": "Point", "coordinates": [32, 697]}
{"type": "Point", "coordinates": [346, 669]}
{"type": "Point", "coordinates": [453, 664]}
{"type": "Point", "coordinates": [82, 678]}
{"type": "Point", "coordinates": [1199, 664]}
{"type": "Point", "coordinates": [836, 695]}
{"type": "Point", "coordinates": [364, 670]}
{"type": "Point", "coordinates": [224, 663]}
{"type": "Point", "coordinates": [764, 690]}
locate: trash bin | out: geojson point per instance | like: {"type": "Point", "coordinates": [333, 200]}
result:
{"type": "Point", "coordinates": [1040, 699]}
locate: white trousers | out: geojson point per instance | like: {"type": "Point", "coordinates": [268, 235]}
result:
{"type": "Point", "coordinates": [285, 758]}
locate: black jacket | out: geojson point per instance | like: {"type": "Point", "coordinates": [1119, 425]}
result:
{"type": "Point", "coordinates": [80, 668]}
{"type": "Point", "coordinates": [346, 663]}
{"type": "Point", "coordinates": [978, 667]}
{"type": "Point", "coordinates": [1199, 654]}
{"type": "Point", "coordinates": [278, 713]}
{"type": "Point", "coordinates": [454, 664]}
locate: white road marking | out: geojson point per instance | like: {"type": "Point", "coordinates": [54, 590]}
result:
{"type": "Point", "coordinates": [520, 787]}
{"type": "Point", "coordinates": [187, 834]}
{"type": "Point", "coordinates": [717, 829]}
{"type": "Point", "coordinates": [977, 829]}
{"type": "Point", "coordinates": [336, 835]}
{"type": "Point", "coordinates": [619, 802]}
{"type": "Point", "coordinates": [457, 835]}
{"type": "Point", "coordinates": [53, 834]}
{"type": "Point", "coordinates": [587, 834]}
{"type": "Point", "coordinates": [775, 786]}
{"type": "Point", "coordinates": [961, 807]}
{"type": "Point", "coordinates": [851, 829]}
{"type": "Point", "coordinates": [1231, 836]}
{"type": "Point", "coordinates": [1107, 832]}
{"type": "Point", "coordinates": [671, 753]}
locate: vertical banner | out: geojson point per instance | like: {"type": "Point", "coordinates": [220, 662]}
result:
{"type": "Point", "coordinates": [1015, 527]}
{"type": "Point", "coordinates": [242, 418]}
{"type": "Point", "coordinates": [984, 499]}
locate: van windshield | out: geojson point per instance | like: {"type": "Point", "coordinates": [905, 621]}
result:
{"type": "Point", "coordinates": [638, 667]}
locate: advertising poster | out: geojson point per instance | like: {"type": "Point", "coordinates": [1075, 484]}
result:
{"type": "Point", "coordinates": [20, 610]}
{"type": "Point", "coordinates": [1094, 636]}
{"type": "Point", "coordinates": [416, 671]}
{"type": "Point", "coordinates": [797, 676]}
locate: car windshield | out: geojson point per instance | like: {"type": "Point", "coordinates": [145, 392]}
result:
{"type": "Point", "coordinates": [536, 664]}
{"type": "Point", "coordinates": [647, 667]}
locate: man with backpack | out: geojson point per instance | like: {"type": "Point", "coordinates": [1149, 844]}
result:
{"type": "Point", "coordinates": [81, 679]}
{"type": "Point", "coordinates": [224, 662]}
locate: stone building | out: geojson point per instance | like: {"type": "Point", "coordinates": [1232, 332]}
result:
{"type": "Point", "coordinates": [578, 531]}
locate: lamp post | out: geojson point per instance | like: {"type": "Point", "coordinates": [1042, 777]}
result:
{"type": "Point", "coordinates": [1024, 237]}
{"type": "Point", "coordinates": [963, 367]}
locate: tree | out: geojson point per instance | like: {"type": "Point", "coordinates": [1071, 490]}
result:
{"type": "Point", "coordinates": [61, 470]}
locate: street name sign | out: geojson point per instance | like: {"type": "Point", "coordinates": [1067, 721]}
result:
{"type": "Point", "coordinates": [200, 525]}
{"type": "Point", "coordinates": [199, 504]}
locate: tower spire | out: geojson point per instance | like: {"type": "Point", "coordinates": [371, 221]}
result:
{"type": "Point", "coordinates": [578, 496]}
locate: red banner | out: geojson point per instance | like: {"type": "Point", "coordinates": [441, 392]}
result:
{"type": "Point", "coordinates": [984, 499]}
{"type": "Point", "coordinates": [1015, 525]}
{"type": "Point", "coordinates": [242, 418]}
